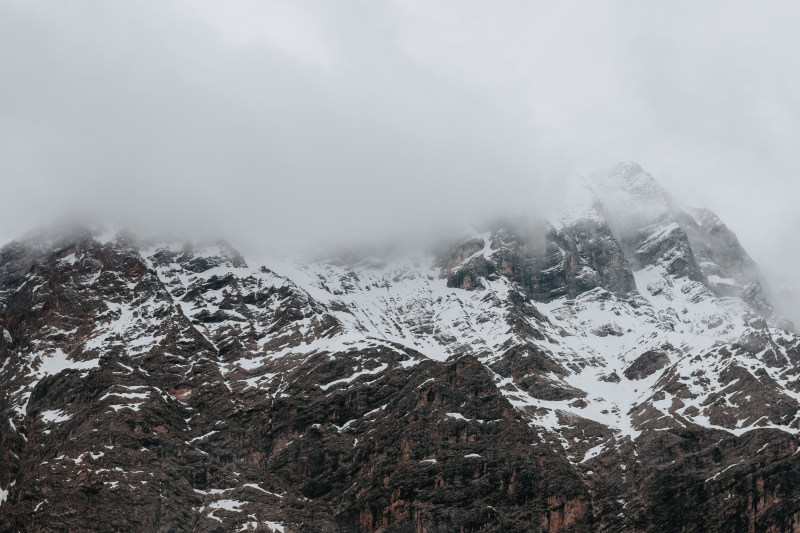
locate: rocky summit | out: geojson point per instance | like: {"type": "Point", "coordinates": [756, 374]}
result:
{"type": "Point", "coordinates": [617, 367]}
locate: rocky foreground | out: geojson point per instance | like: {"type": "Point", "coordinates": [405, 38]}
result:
{"type": "Point", "coordinates": [617, 368]}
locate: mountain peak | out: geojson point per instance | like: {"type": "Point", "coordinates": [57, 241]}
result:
{"type": "Point", "coordinates": [626, 169]}
{"type": "Point", "coordinates": [628, 182]}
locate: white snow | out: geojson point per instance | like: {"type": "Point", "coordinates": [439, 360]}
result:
{"type": "Point", "coordinates": [127, 395]}
{"type": "Point", "coordinates": [356, 375]}
{"type": "Point", "coordinates": [254, 486]}
{"type": "Point", "coordinates": [228, 505]}
{"type": "Point", "coordinates": [57, 361]}
{"type": "Point", "coordinates": [131, 406]}
{"type": "Point", "coordinates": [591, 453]}
{"type": "Point", "coordinates": [54, 416]}
{"type": "Point", "coordinates": [202, 437]}
{"type": "Point", "coordinates": [276, 527]}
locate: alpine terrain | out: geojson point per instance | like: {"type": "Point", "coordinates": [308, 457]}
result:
{"type": "Point", "coordinates": [617, 367]}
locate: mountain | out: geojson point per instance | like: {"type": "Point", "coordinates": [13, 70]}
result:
{"type": "Point", "coordinates": [616, 368]}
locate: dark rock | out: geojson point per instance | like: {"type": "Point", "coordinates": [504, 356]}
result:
{"type": "Point", "coordinates": [647, 364]}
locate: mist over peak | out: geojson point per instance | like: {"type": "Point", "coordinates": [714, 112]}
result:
{"type": "Point", "coordinates": [303, 266]}
{"type": "Point", "coordinates": [304, 124]}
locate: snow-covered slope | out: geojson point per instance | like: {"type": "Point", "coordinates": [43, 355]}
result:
{"type": "Point", "coordinates": [672, 319]}
{"type": "Point", "coordinates": [610, 348]}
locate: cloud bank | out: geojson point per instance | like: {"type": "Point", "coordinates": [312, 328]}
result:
{"type": "Point", "coordinates": [312, 122]}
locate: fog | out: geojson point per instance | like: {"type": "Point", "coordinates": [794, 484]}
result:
{"type": "Point", "coordinates": [305, 123]}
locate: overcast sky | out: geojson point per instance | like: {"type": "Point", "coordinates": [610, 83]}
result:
{"type": "Point", "coordinates": [316, 121]}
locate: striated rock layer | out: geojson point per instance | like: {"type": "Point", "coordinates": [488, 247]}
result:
{"type": "Point", "coordinates": [618, 368]}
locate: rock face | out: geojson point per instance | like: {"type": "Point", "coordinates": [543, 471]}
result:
{"type": "Point", "coordinates": [616, 369]}
{"type": "Point", "coordinates": [647, 364]}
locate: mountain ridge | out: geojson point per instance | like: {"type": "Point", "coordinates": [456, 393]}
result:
{"type": "Point", "coordinates": [623, 357]}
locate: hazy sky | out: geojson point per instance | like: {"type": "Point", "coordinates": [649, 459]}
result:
{"type": "Point", "coordinates": [315, 121]}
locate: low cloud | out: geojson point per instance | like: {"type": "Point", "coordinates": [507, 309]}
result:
{"type": "Point", "coordinates": [306, 123]}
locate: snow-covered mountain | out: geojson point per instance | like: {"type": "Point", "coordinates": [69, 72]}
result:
{"type": "Point", "coordinates": [616, 368]}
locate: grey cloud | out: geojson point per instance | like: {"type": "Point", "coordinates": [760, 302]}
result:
{"type": "Point", "coordinates": [311, 122]}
